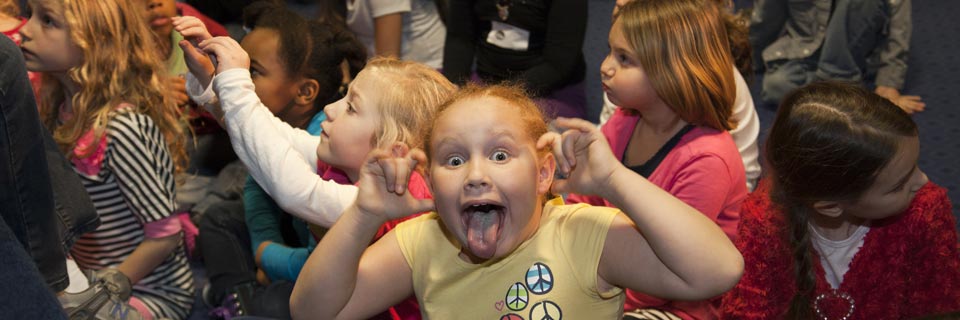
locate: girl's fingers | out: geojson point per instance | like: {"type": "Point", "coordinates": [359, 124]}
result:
{"type": "Point", "coordinates": [552, 140]}
{"type": "Point", "coordinates": [389, 169]}
{"type": "Point", "coordinates": [419, 156]}
{"type": "Point", "coordinates": [575, 124]}
{"type": "Point", "coordinates": [560, 186]}
{"type": "Point", "coordinates": [570, 138]}
{"type": "Point", "coordinates": [404, 168]}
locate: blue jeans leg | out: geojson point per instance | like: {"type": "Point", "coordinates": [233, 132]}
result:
{"type": "Point", "coordinates": [853, 33]}
{"type": "Point", "coordinates": [26, 197]}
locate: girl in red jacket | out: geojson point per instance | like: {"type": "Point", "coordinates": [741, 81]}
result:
{"type": "Point", "coordinates": [846, 226]}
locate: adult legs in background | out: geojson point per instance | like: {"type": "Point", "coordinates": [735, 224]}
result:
{"type": "Point", "coordinates": [853, 33]}
{"type": "Point", "coordinates": [784, 76]}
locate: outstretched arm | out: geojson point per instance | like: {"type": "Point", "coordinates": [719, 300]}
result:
{"type": "Point", "coordinates": [685, 256]}
{"type": "Point", "coordinates": [344, 279]}
{"type": "Point", "coordinates": [282, 159]}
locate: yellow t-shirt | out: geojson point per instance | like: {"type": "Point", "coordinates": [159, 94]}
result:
{"type": "Point", "coordinates": [551, 275]}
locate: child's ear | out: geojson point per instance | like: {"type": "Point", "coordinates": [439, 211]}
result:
{"type": "Point", "coordinates": [307, 91]}
{"type": "Point", "coordinates": [548, 165]}
{"type": "Point", "coordinates": [831, 209]}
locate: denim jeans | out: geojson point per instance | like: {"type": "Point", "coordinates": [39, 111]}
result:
{"type": "Point", "coordinates": [27, 218]}
{"type": "Point", "coordinates": [854, 30]}
{"type": "Point", "coordinates": [24, 294]}
{"type": "Point", "coordinates": [44, 214]}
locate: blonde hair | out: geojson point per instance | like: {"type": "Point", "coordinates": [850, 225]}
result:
{"type": "Point", "coordinates": [683, 48]}
{"type": "Point", "coordinates": [10, 8]}
{"type": "Point", "coordinates": [120, 64]}
{"type": "Point", "coordinates": [411, 95]}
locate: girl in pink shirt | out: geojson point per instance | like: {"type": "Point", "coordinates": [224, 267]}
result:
{"type": "Point", "coordinates": [675, 92]}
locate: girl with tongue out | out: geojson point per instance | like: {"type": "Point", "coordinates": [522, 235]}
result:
{"type": "Point", "coordinates": [499, 245]}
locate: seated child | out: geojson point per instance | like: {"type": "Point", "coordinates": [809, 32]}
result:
{"type": "Point", "coordinates": [389, 101]}
{"type": "Point", "coordinates": [256, 240]}
{"type": "Point", "coordinates": [674, 114]}
{"type": "Point", "coordinates": [846, 226]}
{"type": "Point", "coordinates": [497, 245]}
{"type": "Point", "coordinates": [105, 104]}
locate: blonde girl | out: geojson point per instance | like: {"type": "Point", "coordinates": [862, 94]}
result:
{"type": "Point", "coordinates": [104, 100]}
{"type": "Point", "coordinates": [389, 101]}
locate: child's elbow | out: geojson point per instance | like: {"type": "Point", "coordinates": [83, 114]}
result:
{"type": "Point", "coordinates": [727, 274]}
{"type": "Point", "coordinates": [299, 306]}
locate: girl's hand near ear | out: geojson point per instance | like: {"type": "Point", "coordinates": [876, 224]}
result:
{"type": "Point", "coordinates": [583, 156]}
{"type": "Point", "coordinates": [193, 31]}
{"type": "Point", "coordinates": [228, 53]}
{"type": "Point", "coordinates": [383, 183]}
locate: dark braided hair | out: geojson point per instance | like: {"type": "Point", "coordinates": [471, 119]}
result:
{"type": "Point", "coordinates": [828, 143]}
{"type": "Point", "coordinates": [310, 49]}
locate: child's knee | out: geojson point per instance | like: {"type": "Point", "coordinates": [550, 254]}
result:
{"type": "Point", "coordinates": [776, 84]}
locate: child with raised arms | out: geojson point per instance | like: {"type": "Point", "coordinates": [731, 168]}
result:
{"type": "Point", "coordinates": [253, 251]}
{"type": "Point", "coordinates": [498, 245]}
{"type": "Point", "coordinates": [389, 101]}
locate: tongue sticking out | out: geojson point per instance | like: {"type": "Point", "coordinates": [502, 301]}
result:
{"type": "Point", "coordinates": [482, 230]}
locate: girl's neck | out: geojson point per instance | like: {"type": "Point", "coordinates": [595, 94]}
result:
{"type": "Point", "coordinates": [70, 89]}
{"type": "Point", "coordinates": [837, 228]}
{"type": "Point", "coordinates": [661, 119]}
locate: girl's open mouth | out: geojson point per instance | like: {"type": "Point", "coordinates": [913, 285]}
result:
{"type": "Point", "coordinates": [483, 222]}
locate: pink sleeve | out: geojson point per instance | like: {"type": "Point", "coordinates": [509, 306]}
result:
{"type": "Point", "coordinates": [705, 184]}
{"type": "Point", "coordinates": [162, 228]}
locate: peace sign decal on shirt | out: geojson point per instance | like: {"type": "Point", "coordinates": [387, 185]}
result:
{"type": "Point", "coordinates": [546, 310]}
{"type": "Point", "coordinates": [539, 278]}
{"type": "Point", "coordinates": [517, 297]}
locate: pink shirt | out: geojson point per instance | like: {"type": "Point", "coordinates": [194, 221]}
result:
{"type": "Point", "coordinates": [703, 170]}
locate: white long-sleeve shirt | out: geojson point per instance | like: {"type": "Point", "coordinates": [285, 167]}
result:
{"type": "Point", "coordinates": [281, 158]}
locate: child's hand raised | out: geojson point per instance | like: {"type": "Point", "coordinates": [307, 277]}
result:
{"type": "Point", "coordinates": [228, 53]}
{"type": "Point", "coordinates": [583, 156]}
{"type": "Point", "coordinates": [201, 66]}
{"type": "Point", "coordinates": [383, 183]}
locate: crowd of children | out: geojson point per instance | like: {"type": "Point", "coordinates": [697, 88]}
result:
{"type": "Point", "coordinates": [379, 189]}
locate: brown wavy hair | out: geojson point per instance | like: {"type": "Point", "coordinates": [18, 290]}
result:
{"type": "Point", "coordinates": [828, 143]}
{"type": "Point", "coordinates": [120, 64]}
{"type": "Point", "coordinates": [684, 50]}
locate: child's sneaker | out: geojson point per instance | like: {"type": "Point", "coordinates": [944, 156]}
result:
{"type": "Point", "coordinates": [106, 298]}
{"type": "Point", "coordinates": [236, 303]}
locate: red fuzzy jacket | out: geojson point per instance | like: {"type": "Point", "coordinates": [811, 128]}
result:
{"type": "Point", "coordinates": [909, 265]}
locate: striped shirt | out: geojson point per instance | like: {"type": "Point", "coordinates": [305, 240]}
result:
{"type": "Point", "coordinates": [133, 187]}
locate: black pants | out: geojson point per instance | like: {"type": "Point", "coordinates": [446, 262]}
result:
{"type": "Point", "coordinates": [228, 254]}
